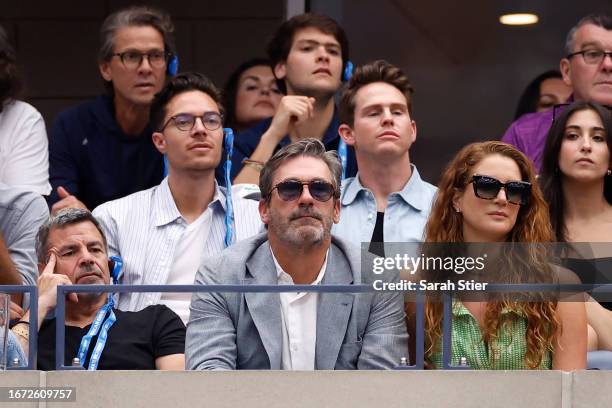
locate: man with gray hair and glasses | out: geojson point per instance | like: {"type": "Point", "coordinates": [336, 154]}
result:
{"type": "Point", "coordinates": [102, 150]}
{"type": "Point", "coordinates": [300, 190]}
{"type": "Point", "coordinates": [71, 250]}
{"type": "Point", "coordinates": [586, 67]}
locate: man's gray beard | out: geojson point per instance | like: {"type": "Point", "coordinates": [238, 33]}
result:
{"type": "Point", "coordinates": [304, 235]}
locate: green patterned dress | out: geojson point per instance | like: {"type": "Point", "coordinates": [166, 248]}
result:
{"type": "Point", "coordinates": [507, 352]}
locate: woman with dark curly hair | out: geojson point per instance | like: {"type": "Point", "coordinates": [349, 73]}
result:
{"type": "Point", "coordinates": [24, 155]}
{"type": "Point", "coordinates": [488, 194]}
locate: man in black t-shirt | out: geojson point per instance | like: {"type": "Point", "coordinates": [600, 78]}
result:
{"type": "Point", "coordinates": [72, 249]}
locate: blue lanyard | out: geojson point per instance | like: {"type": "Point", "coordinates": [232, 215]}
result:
{"type": "Point", "coordinates": [229, 206]}
{"type": "Point", "coordinates": [118, 264]}
{"type": "Point", "coordinates": [342, 149]}
{"type": "Point", "coordinates": [230, 227]}
{"type": "Point", "coordinates": [103, 328]}
{"type": "Point", "coordinates": [342, 155]}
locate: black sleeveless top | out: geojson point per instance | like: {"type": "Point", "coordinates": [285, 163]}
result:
{"type": "Point", "coordinates": [593, 271]}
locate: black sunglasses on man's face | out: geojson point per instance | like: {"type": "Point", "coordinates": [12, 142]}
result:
{"type": "Point", "coordinates": [291, 190]}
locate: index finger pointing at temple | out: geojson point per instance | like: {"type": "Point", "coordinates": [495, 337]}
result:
{"type": "Point", "coordinates": [50, 268]}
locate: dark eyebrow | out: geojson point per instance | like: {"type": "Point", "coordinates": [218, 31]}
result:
{"type": "Point", "coordinates": [191, 114]}
{"type": "Point", "coordinates": [591, 128]}
{"type": "Point", "coordinates": [141, 52]}
{"type": "Point", "coordinates": [379, 105]}
{"type": "Point", "coordinates": [251, 77]}
{"type": "Point", "coordinates": [313, 42]}
{"type": "Point", "coordinates": [303, 181]}
{"type": "Point", "coordinates": [66, 247]}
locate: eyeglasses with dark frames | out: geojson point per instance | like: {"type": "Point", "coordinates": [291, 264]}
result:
{"type": "Point", "coordinates": [133, 59]}
{"type": "Point", "coordinates": [291, 190]}
{"type": "Point", "coordinates": [487, 188]}
{"type": "Point", "coordinates": [186, 121]}
{"type": "Point", "coordinates": [591, 57]}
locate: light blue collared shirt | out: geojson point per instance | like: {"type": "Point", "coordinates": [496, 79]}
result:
{"type": "Point", "coordinates": [405, 216]}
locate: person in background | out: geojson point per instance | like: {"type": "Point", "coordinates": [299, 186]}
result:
{"type": "Point", "coordinates": [21, 214]}
{"type": "Point", "coordinates": [102, 150]}
{"type": "Point", "coordinates": [308, 53]}
{"type": "Point", "coordinates": [387, 201]}
{"type": "Point", "coordinates": [543, 92]}
{"type": "Point", "coordinates": [250, 95]}
{"type": "Point", "coordinates": [24, 153]}
{"type": "Point", "coordinates": [586, 67]}
{"type": "Point", "coordinates": [576, 179]}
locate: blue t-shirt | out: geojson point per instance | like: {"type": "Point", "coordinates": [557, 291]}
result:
{"type": "Point", "coordinates": [92, 158]}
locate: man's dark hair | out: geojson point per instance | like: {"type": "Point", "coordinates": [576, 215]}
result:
{"type": "Point", "coordinates": [185, 82]}
{"type": "Point", "coordinates": [377, 71]}
{"type": "Point", "coordinates": [66, 216]}
{"type": "Point", "coordinates": [600, 20]}
{"type": "Point", "coordinates": [10, 80]}
{"type": "Point", "coordinates": [305, 147]}
{"type": "Point", "coordinates": [134, 16]}
{"type": "Point", "coordinates": [231, 89]}
{"type": "Point", "coordinates": [280, 45]}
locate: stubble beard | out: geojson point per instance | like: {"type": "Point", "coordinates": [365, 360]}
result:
{"type": "Point", "coordinates": [299, 233]}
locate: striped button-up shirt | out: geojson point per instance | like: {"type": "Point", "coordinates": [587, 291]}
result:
{"type": "Point", "coordinates": [145, 227]}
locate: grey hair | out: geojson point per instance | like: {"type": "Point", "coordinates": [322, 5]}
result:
{"type": "Point", "coordinates": [138, 16]}
{"type": "Point", "coordinates": [306, 147]}
{"type": "Point", "coordinates": [66, 216]}
{"type": "Point", "coordinates": [599, 20]}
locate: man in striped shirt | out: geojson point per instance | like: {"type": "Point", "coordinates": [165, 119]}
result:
{"type": "Point", "coordinates": [163, 234]}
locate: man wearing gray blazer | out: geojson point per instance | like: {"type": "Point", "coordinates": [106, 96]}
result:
{"type": "Point", "coordinates": [295, 331]}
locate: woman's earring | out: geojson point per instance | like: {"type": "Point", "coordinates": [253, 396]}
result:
{"type": "Point", "coordinates": [609, 172]}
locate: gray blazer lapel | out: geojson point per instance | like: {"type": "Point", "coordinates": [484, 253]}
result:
{"type": "Point", "coordinates": [265, 308]}
{"type": "Point", "coordinates": [334, 311]}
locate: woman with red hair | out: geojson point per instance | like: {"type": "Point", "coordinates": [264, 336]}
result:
{"type": "Point", "coordinates": [488, 194]}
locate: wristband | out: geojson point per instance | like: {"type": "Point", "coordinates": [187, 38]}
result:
{"type": "Point", "coordinates": [255, 164]}
{"type": "Point", "coordinates": [21, 331]}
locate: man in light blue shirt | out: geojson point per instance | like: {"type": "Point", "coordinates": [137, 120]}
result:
{"type": "Point", "coordinates": [387, 201]}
